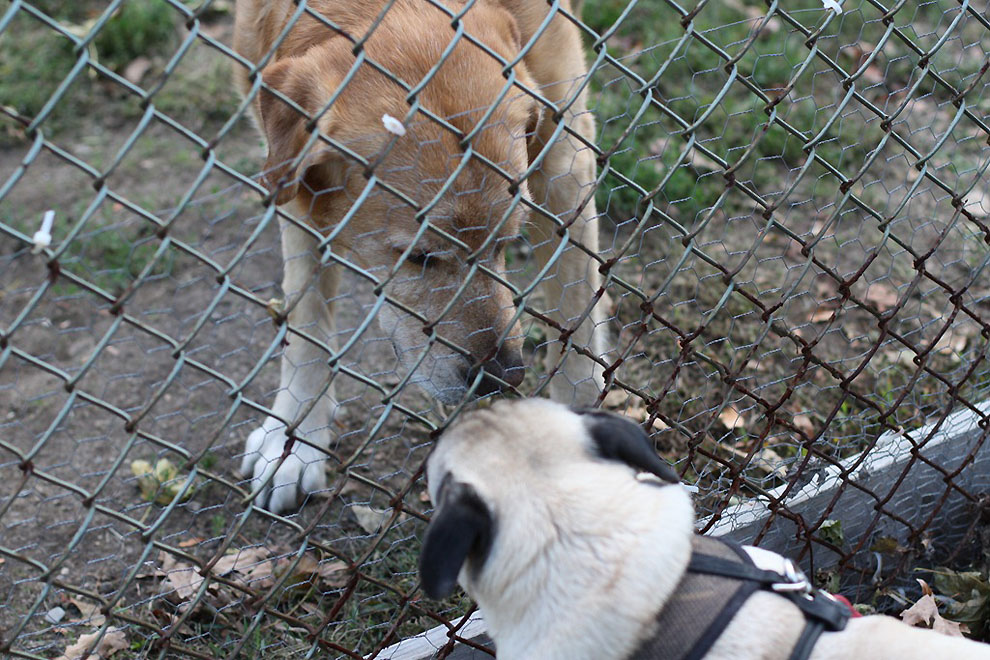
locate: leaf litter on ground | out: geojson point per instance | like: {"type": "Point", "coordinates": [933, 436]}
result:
{"type": "Point", "coordinates": [924, 613]}
{"type": "Point", "coordinates": [245, 570]}
{"type": "Point", "coordinates": [161, 483]}
{"type": "Point", "coordinates": [94, 647]}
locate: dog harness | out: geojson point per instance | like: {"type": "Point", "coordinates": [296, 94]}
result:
{"type": "Point", "coordinates": [719, 579]}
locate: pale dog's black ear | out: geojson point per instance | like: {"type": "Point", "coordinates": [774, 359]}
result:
{"type": "Point", "coordinates": [619, 438]}
{"type": "Point", "coordinates": [462, 527]}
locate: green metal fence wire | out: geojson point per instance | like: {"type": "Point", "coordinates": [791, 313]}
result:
{"type": "Point", "coordinates": [794, 232]}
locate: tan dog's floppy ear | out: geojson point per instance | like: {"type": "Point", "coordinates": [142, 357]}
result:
{"type": "Point", "coordinates": [534, 107]}
{"type": "Point", "coordinates": [286, 128]}
{"type": "Point", "coordinates": [536, 112]}
{"type": "Point", "coordinates": [461, 528]}
{"type": "Point", "coordinates": [619, 438]}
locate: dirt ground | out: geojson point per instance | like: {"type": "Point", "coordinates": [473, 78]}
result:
{"type": "Point", "coordinates": [75, 512]}
{"type": "Point", "coordinates": [186, 409]}
{"type": "Point", "coordinates": [191, 355]}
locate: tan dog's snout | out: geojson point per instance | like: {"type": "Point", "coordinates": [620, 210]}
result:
{"type": "Point", "coordinates": [507, 365]}
{"type": "Point", "coordinates": [496, 350]}
{"type": "Point", "coordinates": [471, 343]}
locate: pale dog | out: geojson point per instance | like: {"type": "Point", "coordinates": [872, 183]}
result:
{"type": "Point", "coordinates": [545, 517]}
{"type": "Point", "coordinates": [310, 64]}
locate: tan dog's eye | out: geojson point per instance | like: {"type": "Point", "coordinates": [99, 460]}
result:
{"type": "Point", "coordinates": [419, 258]}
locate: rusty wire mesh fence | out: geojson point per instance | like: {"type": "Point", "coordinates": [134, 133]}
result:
{"type": "Point", "coordinates": [770, 247]}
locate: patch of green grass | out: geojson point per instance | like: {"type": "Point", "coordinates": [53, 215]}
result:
{"type": "Point", "coordinates": [208, 461]}
{"type": "Point", "coordinates": [112, 255]}
{"type": "Point", "coordinates": [35, 59]}
{"type": "Point", "coordinates": [377, 609]}
{"type": "Point", "coordinates": [70, 12]}
{"type": "Point", "coordinates": [648, 40]}
{"type": "Point", "coordinates": [110, 251]}
{"type": "Point", "coordinates": [139, 28]}
{"type": "Point", "coordinates": [199, 91]}
{"type": "Point", "coordinates": [218, 524]}
{"type": "Point", "coordinates": [33, 62]}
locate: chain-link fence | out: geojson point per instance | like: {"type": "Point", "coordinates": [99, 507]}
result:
{"type": "Point", "coordinates": [770, 247]}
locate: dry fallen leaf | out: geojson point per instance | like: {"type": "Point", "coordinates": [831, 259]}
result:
{"type": "Point", "coordinates": [950, 628]}
{"type": "Point", "coordinates": [978, 202]}
{"type": "Point", "coordinates": [182, 582]}
{"type": "Point", "coordinates": [304, 572]}
{"type": "Point", "coordinates": [616, 399]}
{"type": "Point", "coordinates": [352, 486]}
{"type": "Point", "coordinates": [135, 71]}
{"type": "Point", "coordinates": [112, 641]}
{"type": "Point", "coordinates": [827, 291]}
{"type": "Point", "coordinates": [641, 414]}
{"type": "Point", "coordinates": [370, 520]}
{"type": "Point", "coordinates": [882, 295]}
{"type": "Point", "coordinates": [888, 545]}
{"type": "Point", "coordinates": [659, 425]}
{"type": "Point", "coordinates": [635, 411]}
{"type": "Point", "coordinates": [89, 613]}
{"type": "Point", "coordinates": [804, 424]}
{"type": "Point", "coordinates": [750, 12]}
{"type": "Point", "coordinates": [731, 418]}
{"type": "Point", "coordinates": [921, 613]}
{"type": "Point", "coordinates": [242, 560]}
{"type": "Point", "coordinates": [188, 543]}
{"type": "Point", "coordinates": [261, 576]}
{"type": "Point", "coordinates": [623, 402]}
{"type": "Point", "coordinates": [873, 75]}
{"type": "Point", "coordinates": [924, 613]}
{"type": "Point", "coordinates": [770, 462]}
{"type": "Point", "coordinates": [821, 315]}
{"type": "Point", "coordinates": [167, 561]}
{"type": "Point", "coordinates": [307, 571]}
{"type": "Point", "coordinates": [904, 357]}
{"type": "Point", "coordinates": [951, 344]}
{"type": "Point", "coordinates": [334, 573]}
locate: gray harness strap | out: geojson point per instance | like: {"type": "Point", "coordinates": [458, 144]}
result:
{"type": "Point", "coordinates": [719, 579]}
{"type": "Point", "coordinates": [699, 609]}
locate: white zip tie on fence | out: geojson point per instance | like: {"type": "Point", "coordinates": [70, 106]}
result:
{"type": "Point", "coordinates": [833, 5]}
{"type": "Point", "coordinates": [43, 237]}
{"type": "Point", "coordinates": [393, 125]}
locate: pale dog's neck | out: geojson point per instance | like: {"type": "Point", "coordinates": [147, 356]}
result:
{"type": "Point", "coordinates": [591, 586]}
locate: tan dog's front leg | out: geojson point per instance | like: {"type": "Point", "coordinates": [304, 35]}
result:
{"type": "Point", "coordinates": [305, 396]}
{"type": "Point", "coordinates": [565, 180]}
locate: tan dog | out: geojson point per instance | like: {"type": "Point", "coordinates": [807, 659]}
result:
{"type": "Point", "coordinates": [439, 201]}
{"type": "Point", "coordinates": [569, 532]}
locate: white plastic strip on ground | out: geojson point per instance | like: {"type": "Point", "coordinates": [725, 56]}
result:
{"type": "Point", "coordinates": [425, 645]}
{"type": "Point", "coordinates": [879, 473]}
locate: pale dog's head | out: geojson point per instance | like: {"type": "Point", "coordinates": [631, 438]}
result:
{"type": "Point", "coordinates": [526, 486]}
{"type": "Point", "coordinates": [439, 295]}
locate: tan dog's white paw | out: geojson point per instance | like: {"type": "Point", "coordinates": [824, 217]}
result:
{"type": "Point", "coordinates": [301, 473]}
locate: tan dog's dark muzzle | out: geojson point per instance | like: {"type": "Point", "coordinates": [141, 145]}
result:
{"type": "Point", "coordinates": [505, 368]}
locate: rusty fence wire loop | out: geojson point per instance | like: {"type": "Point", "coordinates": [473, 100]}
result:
{"type": "Point", "coordinates": [791, 269]}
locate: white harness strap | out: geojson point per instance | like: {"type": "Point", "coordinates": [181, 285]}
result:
{"type": "Point", "coordinates": [768, 561]}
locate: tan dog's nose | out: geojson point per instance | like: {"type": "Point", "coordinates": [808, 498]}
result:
{"type": "Point", "coordinates": [506, 366]}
